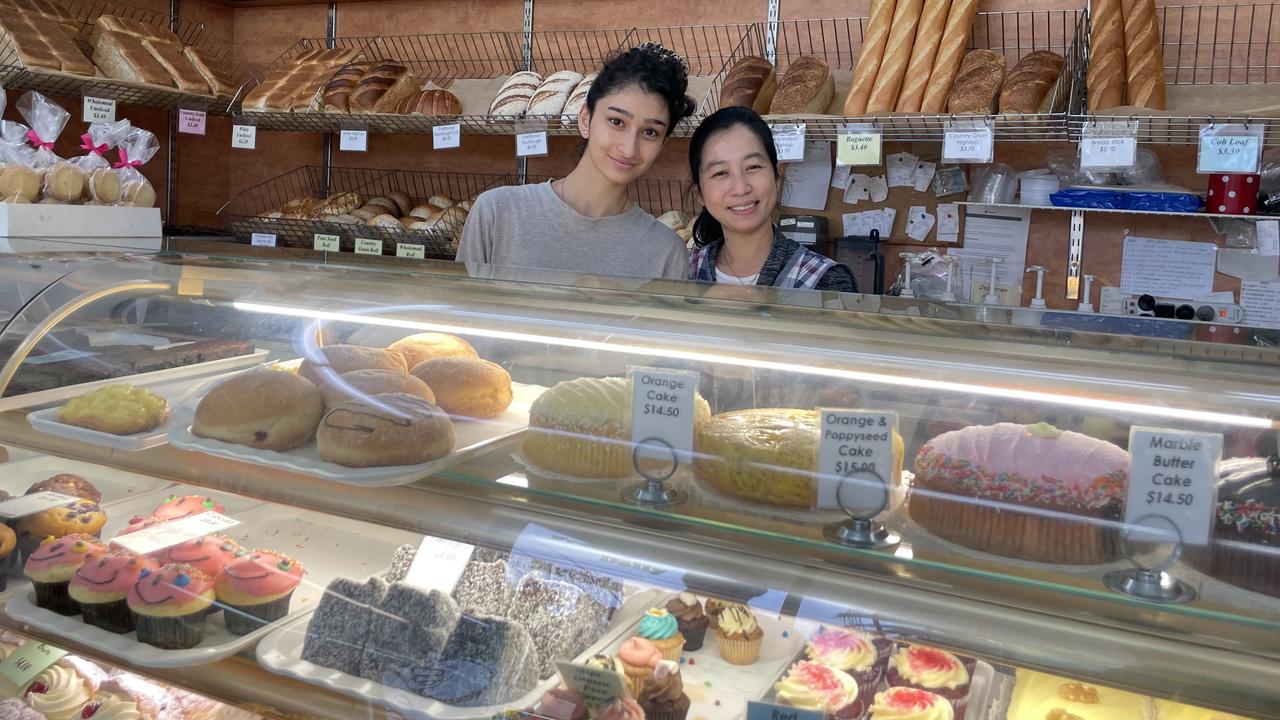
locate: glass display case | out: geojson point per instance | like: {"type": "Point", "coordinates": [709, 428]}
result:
{"type": "Point", "coordinates": [440, 495]}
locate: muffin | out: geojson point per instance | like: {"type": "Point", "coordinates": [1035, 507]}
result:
{"type": "Point", "coordinates": [927, 668]}
{"type": "Point", "coordinates": [209, 554]}
{"type": "Point", "coordinates": [903, 702]}
{"type": "Point", "coordinates": [101, 588]}
{"type": "Point", "coordinates": [714, 607]}
{"type": "Point", "coordinates": [690, 618]}
{"type": "Point", "coordinates": [67, 484]}
{"type": "Point", "coordinates": [639, 657]}
{"type": "Point", "coordinates": [988, 488]}
{"type": "Point", "coordinates": [8, 553]}
{"type": "Point", "coordinates": [621, 709]}
{"type": "Point", "coordinates": [739, 636]}
{"type": "Point", "coordinates": [117, 409]}
{"type": "Point", "coordinates": [814, 686]}
{"type": "Point", "coordinates": [255, 589]}
{"type": "Point", "coordinates": [663, 697]}
{"type": "Point", "coordinates": [660, 628]}
{"type": "Point", "coordinates": [52, 565]}
{"type": "Point", "coordinates": [849, 651]}
{"type": "Point", "coordinates": [82, 517]}
{"type": "Point", "coordinates": [422, 347]}
{"type": "Point", "coordinates": [468, 387]}
{"type": "Point", "coordinates": [171, 605]}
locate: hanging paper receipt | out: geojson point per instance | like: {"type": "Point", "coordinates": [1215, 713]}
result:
{"type": "Point", "coordinates": [662, 410]}
{"type": "Point", "coordinates": [439, 564]}
{"type": "Point", "coordinates": [1172, 476]}
{"type": "Point", "coordinates": [855, 460]}
{"type": "Point", "coordinates": [176, 532]}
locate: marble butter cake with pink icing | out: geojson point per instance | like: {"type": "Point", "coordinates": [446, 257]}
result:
{"type": "Point", "coordinates": [1031, 492]}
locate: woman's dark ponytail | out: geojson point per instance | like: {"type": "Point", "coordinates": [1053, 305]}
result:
{"type": "Point", "coordinates": [707, 229]}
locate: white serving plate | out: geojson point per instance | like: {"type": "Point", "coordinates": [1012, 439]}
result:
{"type": "Point", "coordinates": [281, 653]}
{"type": "Point", "coordinates": [470, 439]}
{"type": "Point", "coordinates": [326, 545]}
{"type": "Point", "coordinates": [46, 421]}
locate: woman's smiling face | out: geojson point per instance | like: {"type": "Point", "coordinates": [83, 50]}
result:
{"type": "Point", "coordinates": [625, 133]}
{"type": "Point", "coordinates": [738, 185]}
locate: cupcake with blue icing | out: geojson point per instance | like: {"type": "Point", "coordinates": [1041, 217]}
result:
{"type": "Point", "coordinates": [660, 628]}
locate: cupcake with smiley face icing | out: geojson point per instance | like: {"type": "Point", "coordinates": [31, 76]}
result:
{"type": "Point", "coordinates": [171, 605]}
{"type": "Point", "coordinates": [52, 565]}
{"type": "Point", "coordinates": [101, 586]}
{"type": "Point", "coordinates": [209, 554]}
{"type": "Point", "coordinates": [255, 589]}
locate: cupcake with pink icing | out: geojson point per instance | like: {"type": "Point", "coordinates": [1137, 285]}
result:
{"type": "Point", "coordinates": [101, 586]}
{"type": "Point", "coordinates": [179, 507]}
{"type": "Point", "coordinates": [927, 668]}
{"type": "Point", "coordinates": [813, 686]}
{"type": "Point", "coordinates": [209, 554]}
{"type": "Point", "coordinates": [639, 658]}
{"type": "Point", "coordinates": [52, 566]}
{"type": "Point", "coordinates": [255, 589]}
{"type": "Point", "coordinates": [901, 703]}
{"type": "Point", "coordinates": [171, 605]}
{"type": "Point", "coordinates": [850, 651]}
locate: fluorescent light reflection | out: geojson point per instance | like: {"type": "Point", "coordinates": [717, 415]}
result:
{"type": "Point", "coordinates": [622, 347]}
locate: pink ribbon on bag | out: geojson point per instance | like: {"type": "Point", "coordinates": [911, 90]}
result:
{"type": "Point", "coordinates": [125, 161]}
{"type": "Point", "coordinates": [35, 140]}
{"type": "Point", "coordinates": [86, 143]}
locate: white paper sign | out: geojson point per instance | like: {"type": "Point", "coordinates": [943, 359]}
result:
{"type": "Point", "coordinates": [412, 251]}
{"type": "Point", "coordinates": [878, 188]}
{"type": "Point", "coordinates": [98, 110]}
{"type": "Point", "coordinates": [805, 184]}
{"type": "Point", "coordinates": [1167, 268]}
{"type": "Point", "coordinates": [176, 532]}
{"type": "Point", "coordinates": [967, 146]}
{"type": "Point", "coordinates": [1229, 154]}
{"type": "Point", "coordinates": [439, 564]}
{"type": "Point", "coordinates": [531, 144]}
{"type": "Point", "coordinates": [326, 243]}
{"type": "Point", "coordinates": [1107, 152]}
{"type": "Point", "coordinates": [263, 240]}
{"type": "Point", "coordinates": [789, 140]}
{"type": "Point", "coordinates": [353, 141]}
{"type": "Point", "coordinates": [1268, 235]}
{"type": "Point", "coordinates": [858, 147]}
{"type": "Point", "coordinates": [444, 137]}
{"type": "Point", "coordinates": [854, 447]}
{"type": "Point", "coordinates": [948, 222]}
{"type": "Point", "coordinates": [368, 246]}
{"type": "Point", "coordinates": [662, 403]}
{"type": "Point", "coordinates": [596, 685]}
{"type": "Point", "coordinates": [34, 503]}
{"type": "Point", "coordinates": [1261, 303]}
{"type": "Point", "coordinates": [1172, 476]}
{"type": "Point", "coordinates": [244, 137]}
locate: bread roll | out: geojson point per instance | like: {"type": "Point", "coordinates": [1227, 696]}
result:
{"type": "Point", "coordinates": [806, 89]}
{"type": "Point", "coordinates": [423, 211]}
{"type": "Point", "coordinates": [104, 185]}
{"type": "Point", "coordinates": [1143, 56]}
{"type": "Point", "coordinates": [751, 82]}
{"type": "Point", "coordinates": [417, 349]}
{"type": "Point", "coordinates": [443, 202]}
{"type": "Point", "coordinates": [1106, 79]}
{"type": "Point", "coordinates": [366, 213]}
{"type": "Point", "coordinates": [264, 409]}
{"type": "Point", "coordinates": [467, 387]}
{"type": "Point", "coordinates": [955, 36]}
{"type": "Point", "coordinates": [402, 200]}
{"type": "Point", "coordinates": [341, 203]}
{"type": "Point", "coordinates": [1030, 81]}
{"type": "Point", "coordinates": [383, 430]}
{"type": "Point", "coordinates": [359, 384]}
{"type": "Point", "coordinates": [383, 203]}
{"type": "Point", "coordinates": [325, 363]}
{"type": "Point", "coordinates": [978, 84]}
{"type": "Point", "coordinates": [64, 182]}
{"type": "Point", "coordinates": [384, 220]}
{"type": "Point", "coordinates": [874, 39]}
{"type": "Point", "coordinates": [933, 18]}
{"type": "Point", "coordinates": [897, 53]}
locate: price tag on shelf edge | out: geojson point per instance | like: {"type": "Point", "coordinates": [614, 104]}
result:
{"type": "Point", "coordinates": [853, 442]}
{"type": "Point", "coordinates": [438, 564]}
{"type": "Point", "coordinates": [855, 147]}
{"type": "Point", "coordinates": [662, 410]}
{"type": "Point", "coordinates": [1172, 475]}
{"type": "Point", "coordinates": [175, 532]}
{"type": "Point", "coordinates": [353, 141]}
{"type": "Point", "coordinates": [33, 503]}
{"type": "Point", "coordinates": [191, 122]}
{"type": "Point", "coordinates": [1230, 149]}
{"type": "Point", "coordinates": [412, 251]}
{"type": "Point", "coordinates": [768, 711]}
{"type": "Point", "coordinates": [367, 246]}
{"type": "Point", "coordinates": [789, 140]}
{"type": "Point", "coordinates": [1109, 145]}
{"type": "Point", "coordinates": [968, 145]}
{"type": "Point", "coordinates": [98, 110]}
{"type": "Point", "coordinates": [263, 240]}
{"type": "Point", "coordinates": [596, 685]}
{"type": "Point", "coordinates": [244, 137]}
{"type": "Point", "coordinates": [531, 144]}
{"type": "Point", "coordinates": [445, 137]}
{"type": "Point", "coordinates": [28, 661]}
{"type": "Point", "coordinates": [326, 243]}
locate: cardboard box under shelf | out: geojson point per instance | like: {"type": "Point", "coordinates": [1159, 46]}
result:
{"type": "Point", "coordinates": [33, 228]}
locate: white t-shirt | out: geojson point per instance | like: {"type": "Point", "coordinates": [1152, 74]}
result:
{"type": "Point", "coordinates": [726, 278]}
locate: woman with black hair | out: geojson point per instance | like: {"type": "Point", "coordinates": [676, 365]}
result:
{"type": "Point", "coordinates": [734, 165]}
{"type": "Point", "coordinates": [585, 222]}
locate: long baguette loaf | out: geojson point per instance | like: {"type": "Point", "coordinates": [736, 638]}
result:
{"type": "Point", "coordinates": [873, 42]}
{"type": "Point", "coordinates": [1105, 82]}
{"type": "Point", "coordinates": [1143, 56]}
{"type": "Point", "coordinates": [950, 54]}
{"type": "Point", "coordinates": [897, 53]}
{"type": "Point", "coordinates": [928, 36]}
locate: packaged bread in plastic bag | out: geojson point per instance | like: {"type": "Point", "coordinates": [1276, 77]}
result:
{"type": "Point", "coordinates": [137, 147]}
{"type": "Point", "coordinates": [63, 180]}
{"type": "Point", "coordinates": [102, 181]}
{"type": "Point", "coordinates": [20, 182]}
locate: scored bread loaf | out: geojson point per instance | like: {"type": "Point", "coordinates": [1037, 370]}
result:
{"type": "Point", "coordinates": [933, 18]}
{"type": "Point", "coordinates": [897, 53]}
{"type": "Point", "coordinates": [806, 89]}
{"type": "Point", "coordinates": [553, 93]}
{"type": "Point", "coordinates": [751, 82]}
{"type": "Point", "coordinates": [577, 100]}
{"type": "Point", "coordinates": [382, 87]}
{"type": "Point", "coordinates": [1030, 81]}
{"type": "Point", "coordinates": [337, 92]}
{"type": "Point", "coordinates": [211, 73]}
{"type": "Point", "coordinates": [874, 39]}
{"type": "Point", "coordinates": [978, 83]}
{"type": "Point", "coordinates": [1143, 56]}
{"type": "Point", "coordinates": [512, 99]}
{"type": "Point", "coordinates": [124, 57]}
{"type": "Point", "coordinates": [430, 102]}
{"type": "Point", "coordinates": [184, 74]}
{"type": "Point", "coordinates": [1106, 79]}
{"type": "Point", "coordinates": [946, 63]}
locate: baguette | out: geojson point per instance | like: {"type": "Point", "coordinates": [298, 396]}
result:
{"type": "Point", "coordinates": [1143, 56]}
{"type": "Point", "coordinates": [928, 36]}
{"type": "Point", "coordinates": [873, 42]}
{"type": "Point", "coordinates": [1106, 80]}
{"type": "Point", "coordinates": [897, 52]}
{"type": "Point", "coordinates": [955, 36]}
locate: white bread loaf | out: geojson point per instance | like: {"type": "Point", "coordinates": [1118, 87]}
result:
{"type": "Point", "coordinates": [577, 99]}
{"type": "Point", "coordinates": [513, 99]}
{"type": "Point", "coordinates": [553, 93]}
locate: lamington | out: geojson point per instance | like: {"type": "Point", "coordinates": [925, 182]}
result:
{"type": "Point", "coordinates": [336, 634]}
{"type": "Point", "coordinates": [558, 615]}
{"type": "Point", "coordinates": [483, 588]}
{"type": "Point", "coordinates": [488, 660]}
{"type": "Point", "coordinates": [407, 634]}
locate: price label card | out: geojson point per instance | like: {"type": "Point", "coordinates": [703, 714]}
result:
{"type": "Point", "coordinates": [531, 144]}
{"type": "Point", "coordinates": [444, 137]}
{"type": "Point", "coordinates": [353, 141]}
{"type": "Point", "coordinates": [244, 137]}
{"type": "Point", "coordinates": [858, 147]}
{"type": "Point", "coordinates": [191, 122]}
{"type": "Point", "coordinates": [1229, 149]}
{"type": "Point", "coordinates": [29, 661]}
{"type": "Point", "coordinates": [1107, 152]}
{"type": "Point", "coordinates": [33, 503]}
{"type": "Point", "coordinates": [366, 246]}
{"type": "Point", "coordinates": [662, 403]}
{"type": "Point", "coordinates": [176, 532]}
{"type": "Point", "coordinates": [326, 243]}
{"type": "Point", "coordinates": [263, 240]}
{"type": "Point", "coordinates": [789, 140]}
{"type": "Point", "coordinates": [439, 564]}
{"type": "Point", "coordinates": [411, 250]}
{"type": "Point", "coordinates": [1172, 476]}
{"type": "Point", "coordinates": [596, 685]}
{"type": "Point", "coordinates": [968, 146]}
{"type": "Point", "coordinates": [98, 110]}
{"type": "Point", "coordinates": [768, 711]}
{"type": "Point", "coordinates": [854, 447]}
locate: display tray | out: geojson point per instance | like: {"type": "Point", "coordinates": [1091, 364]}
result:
{"type": "Point", "coordinates": [326, 545]}
{"type": "Point", "coordinates": [116, 486]}
{"type": "Point", "coordinates": [470, 439]}
{"type": "Point", "coordinates": [281, 653]}
{"type": "Point", "coordinates": [46, 421]}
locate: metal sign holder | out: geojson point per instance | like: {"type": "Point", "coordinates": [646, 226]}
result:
{"type": "Point", "coordinates": [860, 530]}
{"type": "Point", "coordinates": [1149, 581]}
{"type": "Point", "coordinates": [653, 492]}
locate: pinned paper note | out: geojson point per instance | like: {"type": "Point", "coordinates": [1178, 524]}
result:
{"type": "Point", "coordinates": [948, 223]}
{"type": "Point", "coordinates": [857, 189]}
{"type": "Point", "coordinates": [806, 184]}
{"type": "Point", "coordinates": [919, 223]}
{"type": "Point", "coordinates": [878, 188]}
{"type": "Point", "coordinates": [885, 222]}
{"type": "Point", "coordinates": [923, 177]}
{"type": "Point", "coordinates": [1261, 303]}
{"type": "Point", "coordinates": [840, 177]}
{"type": "Point", "coordinates": [1268, 232]}
{"type": "Point", "coordinates": [901, 169]}
{"type": "Point", "coordinates": [1167, 268]}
